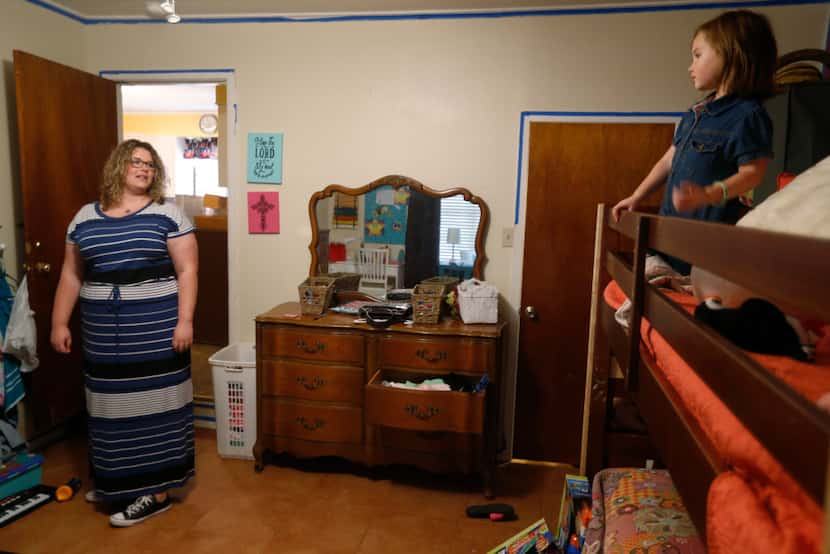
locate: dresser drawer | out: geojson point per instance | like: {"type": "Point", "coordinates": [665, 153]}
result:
{"type": "Point", "coordinates": [309, 345]}
{"type": "Point", "coordinates": [435, 354]}
{"type": "Point", "coordinates": [459, 412]}
{"type": "Point", "coordinates": [312, 421]}
{"type": "Point", "coordinates": [328, 383]}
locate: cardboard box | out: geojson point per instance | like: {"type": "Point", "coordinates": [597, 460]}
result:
{"type": "Point", "coordinates": [20, 473]}
{"type": "Point", "coordinates": [536, 538]}
{"type": "Point", "coordinates": [576, 498]}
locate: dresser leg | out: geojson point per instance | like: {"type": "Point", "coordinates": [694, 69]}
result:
{"type": "Point", "coordinates": [259, 457]}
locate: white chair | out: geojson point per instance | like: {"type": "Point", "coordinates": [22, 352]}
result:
{"type": "Point", "coordinates": [372, 266]}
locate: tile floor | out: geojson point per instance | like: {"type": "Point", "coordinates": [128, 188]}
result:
{"type": "Point", "coordinates": [311, 506]}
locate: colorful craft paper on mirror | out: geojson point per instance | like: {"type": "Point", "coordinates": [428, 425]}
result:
{"type": "Point", "coordinates": [345, 211]}
{"type": "Point", "coordinates": [385, 214]}
{"type": "Point", "coordinates": [265, 158]}
{"type": "Point", "coordinates": [263, 212]}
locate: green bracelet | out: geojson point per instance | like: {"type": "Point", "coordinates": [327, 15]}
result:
{"type": "Point", "coordinates": [724, 190]}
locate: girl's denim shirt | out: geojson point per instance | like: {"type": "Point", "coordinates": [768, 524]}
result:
{"type": "Point", "coordinates": [712, 140]}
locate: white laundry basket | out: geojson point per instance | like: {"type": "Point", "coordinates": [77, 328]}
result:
{"type": "Point", "coordinates": [234, 392]}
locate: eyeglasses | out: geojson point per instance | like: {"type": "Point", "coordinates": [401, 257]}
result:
{"type": "Point", "coordinates": [138, 163]}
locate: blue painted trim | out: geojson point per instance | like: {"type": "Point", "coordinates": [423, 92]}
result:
{"type": "Point", "coordinates": [432, 16]}
{"type": "Point", "coordinates": [527, 114]}
{"type": "Point", "coordinates": [59, 11]}
{"type": "Point", "coordinates": [164, 71]}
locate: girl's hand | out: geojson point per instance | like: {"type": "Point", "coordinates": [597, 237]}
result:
{"type": "Point", "coordinates": [626, 204]}
{"type": "Point", "coordinates": [182, 336]}
{"type": "Point", "coordinates": [689, 196]}
{"type": "Point", "coordinates": [61, 339]}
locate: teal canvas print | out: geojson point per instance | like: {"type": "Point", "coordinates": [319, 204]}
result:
{"type": "Point", "coordinates": [265, 158]}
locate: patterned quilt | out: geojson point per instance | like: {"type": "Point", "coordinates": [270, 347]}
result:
{"type": "Point", "coordinates": [638, 511]}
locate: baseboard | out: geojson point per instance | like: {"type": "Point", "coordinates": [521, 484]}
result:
{"type": "Point", "coordinates": [204, 412]}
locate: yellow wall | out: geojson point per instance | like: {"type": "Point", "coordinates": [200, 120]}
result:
{"type": "Point", "coordinates": [170, 124]}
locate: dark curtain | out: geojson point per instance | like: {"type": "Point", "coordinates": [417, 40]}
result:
{"type": "Point", "coordinates": [422, 229]}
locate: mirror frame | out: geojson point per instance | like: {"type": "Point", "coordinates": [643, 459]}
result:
{"type": "Point", "coordinates": [399, 181]}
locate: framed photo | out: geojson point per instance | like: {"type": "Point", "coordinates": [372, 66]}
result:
{"type": "Point", "coordinates": [265, 158]}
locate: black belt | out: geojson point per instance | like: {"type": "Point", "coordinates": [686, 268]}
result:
{"type": "Point", "coordinates": [124, 277]}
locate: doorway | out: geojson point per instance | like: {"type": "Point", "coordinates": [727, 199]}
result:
{"type": "Point", "coordinates": [80, 129]}
{"type": "Point", "coordinates": [571, 165]}
{"type": "Point", "coordinates": [181, 120]}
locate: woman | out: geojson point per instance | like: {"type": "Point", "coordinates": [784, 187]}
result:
{"type": "Point", "coordinates": [132, 261]}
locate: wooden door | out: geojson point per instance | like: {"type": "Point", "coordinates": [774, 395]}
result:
{"type": "Point", "coordinates": [67, 126]}
{"type": "Point", "coordinates": [572, 168]}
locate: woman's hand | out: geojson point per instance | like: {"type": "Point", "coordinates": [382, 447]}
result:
{"type": "Point", "coordinates": [626, 204]}
{"type": "Point", "coordinates": [689, 196]}
{"type": "Point", "coordinates": [182, 336]}
{"type": "Point", "coordinates": [61, 339]}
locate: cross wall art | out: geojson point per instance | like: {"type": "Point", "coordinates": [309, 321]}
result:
{"type": "Point", "coordinates": [263, 213]}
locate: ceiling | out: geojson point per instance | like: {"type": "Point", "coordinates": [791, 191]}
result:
{"type": "Point", "coordinates": [248, 8]}
{"type": "Point", "coordinates": [192, 97]}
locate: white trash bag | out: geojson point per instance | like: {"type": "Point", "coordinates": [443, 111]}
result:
{"type": "Point", "coordinates": [21, 332]}
{"type": "Point", "coordinates": [478, 302]}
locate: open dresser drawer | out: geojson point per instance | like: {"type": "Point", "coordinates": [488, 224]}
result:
{"type": "Point", "coordinates": [423, 410]}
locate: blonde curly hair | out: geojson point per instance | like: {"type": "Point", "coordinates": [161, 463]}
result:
{"type": "Point", "coordinates": [112, 177]}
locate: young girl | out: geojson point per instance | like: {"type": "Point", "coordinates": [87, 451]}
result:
{"type": "Point", "coordinates": [724, 142]}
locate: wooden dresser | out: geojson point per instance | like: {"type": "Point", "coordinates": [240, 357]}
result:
{"type": "Point", "coordinates": [319, 391]}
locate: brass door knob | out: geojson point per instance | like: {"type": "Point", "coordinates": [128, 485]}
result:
{"type": "Point", "coordinates": [531, 312]}
{"type": "Point", "coordinates": [43, 267]}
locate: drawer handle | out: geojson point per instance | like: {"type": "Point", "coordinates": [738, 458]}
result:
{"type": "Point", "coordinates": [424, 355]}
{"type": "Point", "coordinates": [318, 423]}
{"type": "Point", "coordinates": [315, 383]}
{"type": "Point", "coordinates": [318, 346]}
{"type": "Point", "coordinates": [429, 413]}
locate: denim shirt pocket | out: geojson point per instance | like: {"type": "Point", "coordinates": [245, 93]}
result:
{"type": "Point", "coordinates": [706, 160]}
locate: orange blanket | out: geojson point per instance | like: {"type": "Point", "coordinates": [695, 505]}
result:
{"type": "Point", "coordinates": [757, 506]}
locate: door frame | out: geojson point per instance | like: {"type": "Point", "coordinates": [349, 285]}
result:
{"type": "Point", "coordinates": [236, 193]}
{"type": "Point", "coordinates": [514, 292]}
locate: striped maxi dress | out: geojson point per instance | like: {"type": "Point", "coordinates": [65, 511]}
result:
{"type": "Point", "coordinates": [139, 394]}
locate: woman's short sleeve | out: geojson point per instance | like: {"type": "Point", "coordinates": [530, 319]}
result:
{"type": "Point", "coordinates": [181, 224]}
{"type": "Point", "coordinates": [85, 213]}
{"type": "Point", "coordinates": [751, 137]}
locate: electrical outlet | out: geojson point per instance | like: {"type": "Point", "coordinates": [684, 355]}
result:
{"type": "Point", "coordinates": [507, 237]}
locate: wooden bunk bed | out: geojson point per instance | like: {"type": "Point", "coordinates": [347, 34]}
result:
{"type": "Point", "coordinates": [791, 429]}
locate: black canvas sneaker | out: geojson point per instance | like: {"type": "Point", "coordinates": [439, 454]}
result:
{"type": "Point", "coordinates": [144, 507]}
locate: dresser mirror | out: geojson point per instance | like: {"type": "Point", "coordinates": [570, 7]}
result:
{"type": "Point", "coordinates": [410, 231]}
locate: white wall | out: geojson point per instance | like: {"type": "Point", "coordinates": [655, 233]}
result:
{"type": "Point", "coordinates": [46, 34]}
{"type": "Point", "coordinates": [436, 100]}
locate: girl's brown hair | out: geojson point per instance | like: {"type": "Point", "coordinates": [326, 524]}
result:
{"type": "Point", "coordinates": [112, 177]}
{"type": "Point", "coordinates": [745, 41]}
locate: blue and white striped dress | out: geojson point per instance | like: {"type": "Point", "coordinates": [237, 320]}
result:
{"type": "Point", "coordinates": [138, 389]}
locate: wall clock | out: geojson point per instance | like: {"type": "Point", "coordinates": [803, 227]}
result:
{"type": "Point", "coordinates": [208, 123]}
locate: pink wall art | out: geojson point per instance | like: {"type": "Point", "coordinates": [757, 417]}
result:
{"type": "Point", "coordinates": [263, 212]}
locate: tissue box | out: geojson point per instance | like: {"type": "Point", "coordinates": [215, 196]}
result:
{"type": "Point", "coordinates": [478, 302]}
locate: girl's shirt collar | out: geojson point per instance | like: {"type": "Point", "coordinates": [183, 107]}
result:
{"type": "Point", "coordinates": [712, 106]}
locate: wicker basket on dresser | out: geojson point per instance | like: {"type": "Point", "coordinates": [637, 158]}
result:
{"type": "Point", "coordinates": [319, 391]}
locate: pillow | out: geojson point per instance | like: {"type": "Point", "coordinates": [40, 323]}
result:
{"type": "Point", "coordinates": [800, 208]}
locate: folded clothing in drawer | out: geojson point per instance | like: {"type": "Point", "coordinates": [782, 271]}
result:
{"type": "Point", "coordinates": [637, 510]}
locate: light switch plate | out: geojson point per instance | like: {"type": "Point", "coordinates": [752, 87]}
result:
{"type": "Point", "coordinates": [507, 237]}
